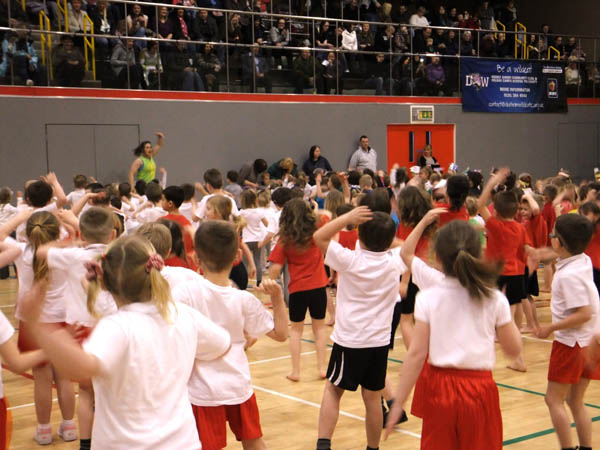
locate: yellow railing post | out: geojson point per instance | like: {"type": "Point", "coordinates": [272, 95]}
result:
{"type": "Point", "coordinates": [520, 27]}
{"type": "Point", "coordinates": [23, 4]}
{"type": "Point", "coordinates": [64, 9]}
{"type": "Point", "coordinates": [46, 41]}
{"type": "Point", "coordinates": [501, 25]}
{"type": "Point", "coordinates": [550, 49]}
{"type": "Point", "coordinates": [89, 42]}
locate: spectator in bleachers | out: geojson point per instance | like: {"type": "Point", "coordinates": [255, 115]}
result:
{"type": "Point", "coordinates": [350, 43]}
{"type": "Point", "coordinates": [402, 40]}
{"type": "Point", "coordinates": [234, 35]}
{"type": "Point", "coordinates": [325, 39]}
{"type": "Point", "coordinates": [486, 15]}
{"type": "Point", "coordinates": [182, 26]}
{"type": "Point", "coordinates": [466, 44]}
{"type": "Point", "coordinates": [502, 47]}
{"type": "Point", "coordinates": [331, 75]}
{"type": "Point", "coordinates": [69, 65]}
{"type": "Point", "coordinates": [384, 40]}
{"type": "Point", "coordinates": [366, 42]}
{"type": "Point", "coordinates": [125, 67]}
{"type": "Point", "coordinates": [20, 61]}
{"type": "Point", "coordinates": [205, 27]}
{"type": "Point", "coordinates": [208, 66]}
{"type": "Point", "coordinates": [181, 73]}
{"type": "Point", "coordinates": [255, 70]}
{"type": "Point", "coordinates": [508, 15]}
{"type": "Point", "coordinates": [401, 74]}
{"type": "Point", "coordinates": [420, 40]}
{"type": "Point", "coordinates": [304, 71]}
{"type": "Point", "coordinates": [369, 10]}
{"type": "Point", "coordinates": [378, 72]}
{"type": "Point", "coordinates": [351, 11]}
{"type": "Point", "coordinates": [560, 46]}
{"type": "Point", "coordinates": [487, 46]}
{"type": "Point", "coordinates": [105, 23]}
{"type": "Point", "coordinates": [77, 22]}
{"type": "Point", "coordinates": [418, 19]}
{"type": "Point", "coordinates": [152, 68]}
{"type": "Point", "coordinates": [440, 18]}
{"type": "Point", "coordinates": [533, 47]}
{"type": "Point", "coordinates": [572, 77]}
{"type": "Point", "coordinates": [453, 18]}
{"type": "Point", "coordinates": [163, 27]}
{"type": "Point", "coordinates": [545, 40]}
{"type": "Point", "coordinates": [570, 45]}
{"type": "Point", "coordinates": [280, 37]}
{"type": "Point", "coordinates": [435, 77]}
{"type": "Point", "coordinates": [400, 13]}
{"type": "Point", "coordinates": [137, 22]}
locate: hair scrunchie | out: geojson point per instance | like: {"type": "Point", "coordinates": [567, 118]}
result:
{"type": "Point", "coordinates": [155, 261]}
{"type": "Point", "coordinates": [94, 271]}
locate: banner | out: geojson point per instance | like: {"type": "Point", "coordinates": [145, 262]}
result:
{"type": "Point", "coordinates": [499, 85]}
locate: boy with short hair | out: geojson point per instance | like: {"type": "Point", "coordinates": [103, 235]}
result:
{"type": "Point", "coordinates": [574, 308]}
{"type": "Point", "coordinates": [172, 199]}
{"type": "Point", "coordinates": [97, 228]}
{"type": "Point", "coordinates": [221, 390]}
{"type": "Point", "coordinates": [233, 187]}
{"type": "Point", "coordinates": [80, 182]}
{"type": "Point", "coordinates": [214, 186]}
{"type": "Point", "coordinates": [152, 210]}
{"type": "Point", "coordinates": [368, 283]}
{"type": "Point", "coordinates": [507, 242]}
{"type": "Point", "coordinates": [188, 206]}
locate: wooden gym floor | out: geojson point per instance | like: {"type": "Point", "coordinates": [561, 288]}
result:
{"type": "Point", "coordinates": [289, 411]}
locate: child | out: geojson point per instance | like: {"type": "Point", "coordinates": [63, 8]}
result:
{"type": "Point", "coordinates": [171, 201]}
{"type": "Point", "coordinates": [7, 211]}
{"type": "Point", "coordinates": [368, 283]}
{"type": "Point", "coordinates": [160, 238]}
{"type": "Point", "coordinates": [349, 235]}
{"type": "Point", "coordinates": [591, 210]}
{"type": "Point", "coordinates": [178, 256]}
{"type": "Point", "coordinates": [221, 390]}
{"type": "Point", "coordinates": [140, 357]}
{"type": "Point", "coordinates": [80, 182]}
{"type": "Point", "coordinates": [218, 207]}
{"type": "Point", "coordinates": [252, 234]}
{"type": "Point", "coordinates": [214, 186]}
{"type": "Point", "coordinates": [574, 308]}
{"type": "Point", "coordinates": [457, 189]}
{"type": "Point", "coordinates": [508, 243]}
{"type": "Point", "coordinates": [97, 229]}
{"type": "Point", "coordinates": [233, 187]}
{"type": "Point", "coordinates": [188, 206]}
{"type": "Point", "coordinates": [152, 210]}
{"type": "Point", "coordinates": [308, 279]}
{"type": "Point", "coordinates": [263, 201]}
{"type": "Point", "coordinates": [42, 228]}
{"type": "Point", "coordinates": [460, 383]}
{"type": "Point", "coordinates": [475, 219]}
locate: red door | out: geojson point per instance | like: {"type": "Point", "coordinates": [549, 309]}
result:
{"type": "Point", "coordinates": [405, 144]}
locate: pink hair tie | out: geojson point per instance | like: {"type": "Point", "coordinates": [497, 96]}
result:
{"type": "Point", "coordinates": [94, 271]}
{"type": "Point", "coordinates": [155, 262]}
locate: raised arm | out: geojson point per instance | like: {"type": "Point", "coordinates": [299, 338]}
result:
{"type": "Point", "coordinates": [160, 139]}
{"type": "Point", "coordinates": [61, 198]}
{"type": "Point", "coordinates": [8, 253]}
{"type": "Point", "coordinates": [12, 224]}
{"type": "Point", "coordinates": [486, 195]}
{"type": "Point", "coordinates": [326, 233]}
{"type": "Point", "coordinates": [409, 247]}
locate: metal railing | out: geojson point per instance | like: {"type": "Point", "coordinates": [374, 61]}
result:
{"type": "Point", "coordinates": [404, 66]}
{"type": "Point", "coordinates": [45, 41]}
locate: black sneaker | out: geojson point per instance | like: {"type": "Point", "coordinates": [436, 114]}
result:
{"type": "Point", "coordinates": [403, 418]}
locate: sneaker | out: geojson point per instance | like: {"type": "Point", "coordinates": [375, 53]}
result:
{"type": "Point", "coordinates": [29, 83]}
{"type": "Point", "coordinates": [67, 432]}
{"type": "Point", "coordinates": [43, 436]}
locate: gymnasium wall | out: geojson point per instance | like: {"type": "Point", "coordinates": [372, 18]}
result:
{"type": "Point", "coordinates": [70, 135]}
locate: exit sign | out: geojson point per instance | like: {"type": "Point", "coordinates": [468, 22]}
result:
{"type": "Point", "coordinates": [421, 114]}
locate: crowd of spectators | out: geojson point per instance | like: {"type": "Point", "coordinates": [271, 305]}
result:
{"type": "Point", "coordinates": [408, 56]}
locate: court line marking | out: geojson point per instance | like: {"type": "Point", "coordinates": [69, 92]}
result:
{"type": "Point", "coordinates": [531, 338]}
{"type": "Point", "coordinates": [538, 434]}
{"type": "Point", "coordinates": [318, 406]}
{"type": "Point", "coordinates": [26, 405]}
{"type": "Point", "coordinates": [7, 306]}
{"type": "Point", "coordinates": [279, 358]}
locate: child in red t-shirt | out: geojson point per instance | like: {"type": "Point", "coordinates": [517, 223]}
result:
{"type": "Point", "coordinates": [591, 210]}
{"type": "Point", "coordinates": [172, 198]}
{"type": "Point", "coordinates": [537, 233]}
{"type": "Point", "coordinates": [308, 279]}
{"type": "Point", "coordinates": [507, 244]}
{"type": "Point", "coordinates": [349, 235]}
{"type": "Point", "coordinates": [457, 190]}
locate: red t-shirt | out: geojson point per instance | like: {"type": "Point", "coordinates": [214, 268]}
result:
{"type": "Point", "coordinates": [593, 248]}
{"type": "Point", "coordinates": [549, 216]}
{"type": "Point", "coordinates": [188, 239]}
{"type": "Point", "coordinates": [422, 250]}
{"type": "Point", "coordinates": [537, 231]}
{"type": "Point", "coordinates": [449, 216]}
{"type": "Point", "coordinates": [506, 243]}
{"type": "Point", "coordinates": [176, 261]}
{"type": "Point", "coordinates": [348, 238]}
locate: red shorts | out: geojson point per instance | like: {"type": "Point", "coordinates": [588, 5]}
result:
{"type": "Point", "coordinates": [243, 420]}
{"type": "Point", "coordinates": [80, 333]}
{"type": "Point", "coordinates": [420, 396]}
{"type": "Point", "coordinates": [26, 342]}
{"type": "Point", "coordinates": [458, 399]}
{"type": "Point", "coordinates": [568, 365]}
{"type": "Point", "coordinates": [5, 424]}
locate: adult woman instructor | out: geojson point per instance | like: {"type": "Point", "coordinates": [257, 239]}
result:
{"type": "Point", "coordinates": [144, 167]}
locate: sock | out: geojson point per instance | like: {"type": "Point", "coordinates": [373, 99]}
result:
{"type": "Point", "coordinates": [68, 422]}
{"type": "Point", "coordinates": [372, 448]}
{"type": "Point", "coordinates": [85, 444]}
{"type": "Point", "coordinates": [323, 444]}
{"type": "Point", "coordinates": [43, 426]}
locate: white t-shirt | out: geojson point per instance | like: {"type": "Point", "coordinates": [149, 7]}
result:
{"type": "Point", "coordinates": [225, 381]}
{"type": "Point", "coordinates": [74, 196]}
{"type": "Point", "coordinates": [573, 287]}
{"type": "Point", "coordinates": [201, 210]}
{"type": "Point", "coordinates": [151, 214]}
{"type": "Point", "coordinates": [177, 275]}
{"type": "Point", "coordinates": [68, 265]}
{"type": "Point", "coordinates": [423, 275]}
{"type": "Point", "coordinates": [186, 210]}
{"type": "Point", "coordinates": [462, 329]}
{"type": "Point", "coordinates": [419, 21]}
{"type": "Point", "coordinates": [53, 309]}
{"type": "Point", "coordinates": [6, 332]}
{"type": "Point", "coordinates": [21, 231]}
{"type": "Point", "coordinates": [368, 284]}
{"type": "Point", "coordinates": [254, 230]}
{"type": "Point", "coordinates": [141, 398]}
{"type": "Point", "coordinates": [7, 211]}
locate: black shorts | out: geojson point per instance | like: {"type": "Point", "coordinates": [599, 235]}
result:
{"type": "Point", "coordinates": [597, 279]}
{"type": "Point", "coordinates": [532, 286]}
{"type": "Point", "coordinates": [515, 288]}
{"type": "Point", "coordinates": [353, 367]}
{"type": "Point", "coordinates": [395, 322]}
{"type": "Point", "coordinates": [407, 305]}
{"type": "Point", "coordinates": [315, 300]}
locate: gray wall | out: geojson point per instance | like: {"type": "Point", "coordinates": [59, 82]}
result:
{"type": "Point", "coordinates": [201, 135]}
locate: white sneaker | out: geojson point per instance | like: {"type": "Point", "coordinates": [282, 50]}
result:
{"type": "Point", "coordinates": [67, 432]}
{"type": "Point", "coordinates": [29, 83]}
{"type": "Point", "coordinates": [43, 436]}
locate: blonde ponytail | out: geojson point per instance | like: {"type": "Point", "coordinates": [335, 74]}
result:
{"type": "Point", "coordinates": [476, 276]}
{"type": "Point", "coordinates": [42, 227]}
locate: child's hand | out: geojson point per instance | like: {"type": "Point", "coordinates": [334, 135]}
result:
{"type": "Point", "coordinates": [500, 176]}
{"type": "Point", "coordinates": [50, 178]}
{"type": "Point", "coordinates": [358, 215]}
{"type": "Point", "coordinates": [252, 271]}
{"type": "Point", "coordinates": [159, 134]}
{"type": "Point", "coordinates": [392, 419]}
{"type": "Point", "coordinates": [271, 288]}
{"type": "Point", "coordinates": [543, 332]}
{"type": "Point", "coordinates": [432, 215]}
{"type": "Point", "coordinates": [162, 170]}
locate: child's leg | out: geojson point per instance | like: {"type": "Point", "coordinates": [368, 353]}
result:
{"type": "Point", "coordinates": [66, 395]}
{"type": "Point", "coordinates": [583, 424]}
{"type": "Point", "coordinates": [407, 325]}
{"type": "Point", "coordinates": [42, 393]}
{"type": "Point", "coordinates": [530, 313]}
{"type": "Point", "coordinates": [518, 364]}
{"type": "Point", "coordinates": [330, 410]}
{"type": "Point", "coordinates": [320, 333]}
{"type": "Point", "coordinates": [330, 308]}
{"type": "Point", "coordinates": [257, 254]}
{"type": "Point", "coordinates": [373, 416]}
{"type": "Point", "coordinates": [254, 444]}
{"type": "Point", "coordinates": [518, 315]}
{"type": "Point", "coordinates": [296, 329]}
{"type": "Point", "coordinates": [555, 398]}
{"type": "Point", "coordinates": [85, 411]}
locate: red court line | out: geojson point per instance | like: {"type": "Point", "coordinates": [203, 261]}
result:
{"type": "Point", "coordinates": [24, 374]}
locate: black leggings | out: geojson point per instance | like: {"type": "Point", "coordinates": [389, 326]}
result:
{"type": "Point", "coordinates": [239, 275]}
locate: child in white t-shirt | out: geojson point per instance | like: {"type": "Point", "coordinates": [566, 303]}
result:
{"type": "Point", "coordinates": [42, 228]}
{"type": "Point", "coordinates": [368, 284]}
{"type": "Point", "coordinates": [575, 321]}
{"type": "Point", "coordinates": [461, 358]}
{"type": "Point", "coordinates": [150, 211]}
{"type": "Point", "coordinates": [80, 182]}
{"type": "Point", "coordinates": [221, 390]}
{"type": "Point", "coordinates": [253, 232]}
{"type": "Point", "coordinates": [139, 359]}
{"type": "Point", "coordinates": [7, 211]}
